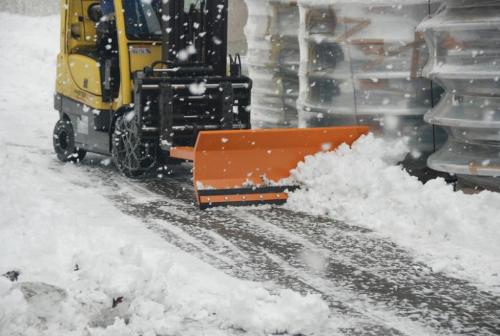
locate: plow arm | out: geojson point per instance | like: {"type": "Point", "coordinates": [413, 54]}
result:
{"type": "Point", "coordinates": [243, 167]}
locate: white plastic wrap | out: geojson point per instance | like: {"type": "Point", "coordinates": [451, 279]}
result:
{"type": "Point", "coordinates": [464, 39]}
{"type": "Point", "coordinates": [273, 61]}
{"type": "Point", "coordinates": [360, 63]}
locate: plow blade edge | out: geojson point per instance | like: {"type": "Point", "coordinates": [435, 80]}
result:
{"type": "Point", "coordinates": [243, 167]}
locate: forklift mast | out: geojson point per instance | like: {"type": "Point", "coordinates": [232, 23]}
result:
{"type": "Point", "coordinates": [192, 90]}
{"type": "Point", "coordinates": [195, 35]}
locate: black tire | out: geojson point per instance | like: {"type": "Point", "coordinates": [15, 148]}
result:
{"type": "Point", "coordinates": [133, 156]}
{"type": "Point", "coordinates": [64, 143]}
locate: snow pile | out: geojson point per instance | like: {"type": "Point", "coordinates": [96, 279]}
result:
{"type": "Point", "coordinates": [29, 7]}
{"type": "Point", "coordinates": [452, 231]}
{"type": "Point", "coordinates": [77, 254]}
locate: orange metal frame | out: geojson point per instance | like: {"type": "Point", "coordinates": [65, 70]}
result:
{"type": "Point", "coordinates": [245, 166]}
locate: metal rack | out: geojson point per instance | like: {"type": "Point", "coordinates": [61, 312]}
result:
{"type": "Point", "coordinates": [360, 63]}
{"type": "Point", "coordinates": [464, 40]}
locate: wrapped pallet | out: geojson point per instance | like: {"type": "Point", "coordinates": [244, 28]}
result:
{"type": "Point", "coordinates": [359, 64]}
{"type": "Point", "coordinates": [464, 39]}
{"type": "Point", "coordinates": [273, 61]}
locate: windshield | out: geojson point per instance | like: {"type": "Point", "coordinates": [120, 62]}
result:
{"type": "Point", "coordinates": [141, 19]}
{"type": "Point", "coordinates": [191, 4]}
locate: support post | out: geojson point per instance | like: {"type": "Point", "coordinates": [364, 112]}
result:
{"type": "Point", "coordinates": [227, 106]}
{"type": "Point", "coordinates": [166, 111]}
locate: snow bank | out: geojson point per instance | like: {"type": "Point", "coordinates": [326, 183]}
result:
{"type": "Point", "coordinates": [452, 231]}
{"type": "Point", "coordinates": [76, 253]}
{"type": "Point", "coordinates": [30, 7]}
{"type": "Point", "coordinates": [68, 237]}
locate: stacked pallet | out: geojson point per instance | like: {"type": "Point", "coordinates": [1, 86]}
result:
{"type": "Point", "coordinates": [464, 40]}
{"type": "Point", "coordinates": [359, 64]}
{"type": "Point", "coordinates": [273, 61]}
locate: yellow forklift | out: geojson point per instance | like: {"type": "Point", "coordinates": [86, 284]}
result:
{"type": "Point", "coordinates": [149, 81]}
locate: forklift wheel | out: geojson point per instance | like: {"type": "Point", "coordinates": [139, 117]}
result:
{"type": "Point", "coordinates": [64, 143]}
{"type": "Point", "coordinates": [132, 155]}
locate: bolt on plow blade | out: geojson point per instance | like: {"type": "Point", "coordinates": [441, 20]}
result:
{"type": "Point", "coordinates": [243, 167]}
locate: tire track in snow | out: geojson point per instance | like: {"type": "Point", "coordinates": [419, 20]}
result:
{"type": "Point", "coordinates": [379, 269]}
{"type": "Point", "coordinates": [262, 245]}
{"type": "Point", "coordinates": [251, 261]}
{"type": "Point", "coordinates": [259, 266]}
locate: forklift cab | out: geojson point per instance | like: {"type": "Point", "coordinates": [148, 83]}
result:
{"type": "Point", "coordinates": [100, 60]}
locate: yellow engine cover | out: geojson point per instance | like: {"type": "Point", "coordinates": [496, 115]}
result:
{"type": "Point", "coordinates": [86, 73]}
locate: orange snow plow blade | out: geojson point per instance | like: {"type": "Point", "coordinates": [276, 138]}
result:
{"type": "Point", "coordinates": [242, 167]}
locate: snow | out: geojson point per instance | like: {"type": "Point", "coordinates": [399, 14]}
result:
{"type": "Point", "coordinates": [29, 7]}
{"type": "Point", "coordinates": [77, 254]}
{"type": "Point", "coordinates": [453, 232]}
